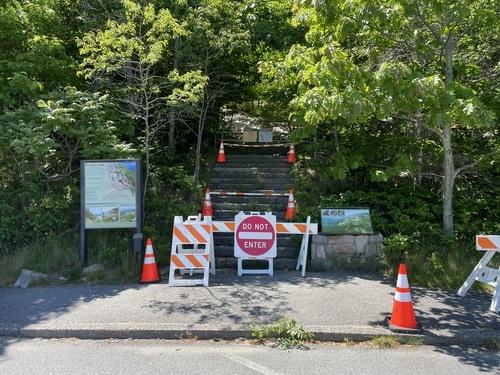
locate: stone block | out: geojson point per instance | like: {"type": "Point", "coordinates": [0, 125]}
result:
{"type": "Point", "coordinates": [344, 248]}
{"type": "Point", "coordinates": [318, 238]}
{"type": "Point", "coordinates": [318, 251]}
{"type": "Point", "coordinates": [376, 238]}
{"type": "Point", "coordinates": [322, 265]}
{"type": "Point", "coordinates": [343, 239]}
{"type": "Point", "coordinates": [28, 277]}
{"type": "Point", "coordinates": [371, 249]}
{"type": "Point", "coordinates": [97, 267]}
{"type": "Point", "coordinates": [361, 242]}
{"type": "Point", "coordinates": [330, 251]}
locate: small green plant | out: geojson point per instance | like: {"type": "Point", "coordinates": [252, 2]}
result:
{"type": "Point", "coordinates": [286, 333]}
{"type": "Point", "coordinates": [385, 342]}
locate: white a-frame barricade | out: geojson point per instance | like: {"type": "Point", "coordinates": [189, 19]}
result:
{"type": "Point", "coordinates": [255, 239]}
{"type": "Point", "coordinates": [192, 249]}
{"type": "Point", "coordinates": [483, 273]}
{"type": "Point", "coordinates": [305, 229]}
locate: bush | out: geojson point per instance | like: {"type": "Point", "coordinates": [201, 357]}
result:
{"type": "Point", "coordinates": [285, 332]}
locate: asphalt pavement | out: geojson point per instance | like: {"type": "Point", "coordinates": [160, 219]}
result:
{"type": "Point", "coordinates": [136, 357]}
{"type": "Point", "coordinates": [332, 305]}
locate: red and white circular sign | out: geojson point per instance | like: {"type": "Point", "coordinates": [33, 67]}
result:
{"type": "Point", "coordinates": [255, 236]}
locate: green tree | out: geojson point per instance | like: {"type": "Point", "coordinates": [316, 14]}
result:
{"type": "Point", "coordinates": [393, 62]}
{"type": "Point", "coordinates": [124, 58]}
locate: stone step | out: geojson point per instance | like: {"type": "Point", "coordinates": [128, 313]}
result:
{"type": "Point", "coordinates": [251, 168]}
{"type": "Point", "coordinates": [256, 157]}
{"type": "Point", "coordinates": [265, 167]}
{"type": "Point", "coordinates": [279, 263]}
{"type": "Point", "coordinates": [229, 215]}
{"type": "Point", "coordinates": [219, 199]}
{"type": "Point", "coordinates": [268, 150]}
{"type": "Point", "coordinates": [254, 206]}
{"type": "Point", "coordinates": [224, 174]}
{"type": "Point", "coordinates": [242, 179]}
{"type": "Point", "coordinates": [242, 187]}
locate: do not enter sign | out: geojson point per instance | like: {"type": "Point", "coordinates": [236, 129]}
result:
{"type": "Point", "coordinates": [255, 236]}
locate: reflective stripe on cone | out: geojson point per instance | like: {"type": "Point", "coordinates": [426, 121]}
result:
{"type": "Point", "coordinates": [403, 316]}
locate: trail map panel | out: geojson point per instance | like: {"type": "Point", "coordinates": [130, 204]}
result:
{"type": "Point", "coordinates": [110, 194]}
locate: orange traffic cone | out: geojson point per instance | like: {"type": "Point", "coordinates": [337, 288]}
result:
{"type": "Point", "coordinates": [291, 155]}
{"type": "Point", "coordinates": [149, 269]}
{"type": "Point", "coordinates": [403, 316]}
{"type": "Point", "coordinates": [290, 208]}
{"type": "Point", "coordinates": [221, 158]}
{"type": "Point", "coordinates": [207, 205]}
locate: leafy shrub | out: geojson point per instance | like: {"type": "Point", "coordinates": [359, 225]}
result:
{"type": "Point", "coordinates": [285, 332]}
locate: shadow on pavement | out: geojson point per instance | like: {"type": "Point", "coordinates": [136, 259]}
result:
{"type": "Point", "coordinates": [444, 309]}
{"type": "Point", "coordinates": [251, 298]}
{"type": "Point", "coordinates": [213, 307]}
{"type": "Point", "coordinates": [483, 359]}
{"type": "Point", "coordinates": [454, 314]}
{"type": "Point", "coordinates": [21, 307]}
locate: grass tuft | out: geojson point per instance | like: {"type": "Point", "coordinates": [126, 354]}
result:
{"type": "Point", "coordinates": [385, 342]}
{"type": "Point", "coordinates": [285, 333]}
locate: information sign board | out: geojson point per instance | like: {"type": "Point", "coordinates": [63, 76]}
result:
{"type": "Point", "coordinates": [110, 194]}
{"type": "Point", "coordinates": [346, 221]}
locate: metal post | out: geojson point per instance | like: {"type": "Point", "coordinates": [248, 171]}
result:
{"type": "Point", "coordinates": [83, 240]}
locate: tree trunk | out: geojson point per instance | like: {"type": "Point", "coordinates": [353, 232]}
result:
{"type": "Point", "coordinates": [147, 140]}
{"type": "Point", "coordinates": [448, 163]}
{"type": "Point", "coordinates": [336, 137]}
{"type": "Point", "coordinates": [201, 125]}
{"type": "Point", "coordinates": [448, 181]}
{"type": "Point", "coordinates": [171, 120]}
{"type": "Point", "coordinates": [420, 154]}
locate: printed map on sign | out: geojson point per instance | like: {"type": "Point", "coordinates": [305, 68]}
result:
{"type": "Point", "coordinates": [255, 236]}
{"type": "Point", "coordinates": [110, 194]}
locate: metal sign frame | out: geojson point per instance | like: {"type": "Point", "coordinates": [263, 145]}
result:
{"type": "Point", "coordinates": [137, 238]}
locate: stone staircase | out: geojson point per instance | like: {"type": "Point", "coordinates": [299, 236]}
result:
{"type": "Point", "coordinates": [252, 172]}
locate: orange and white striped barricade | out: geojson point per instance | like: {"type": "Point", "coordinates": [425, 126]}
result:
{"type": "Point", "coordinates": [483, 273]}
{"type": "Point", "coordinates": [281, 228]}
{"type": "Point", "coordinates": [194, 248]}
{"type": "Point", "coordinates": [305, 229]}
{"type": "Point", "coordinates": [190, 250]}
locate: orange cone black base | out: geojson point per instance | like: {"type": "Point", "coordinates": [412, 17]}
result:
{"type": "Point", "coordinates": [207, 205]}
{"type": "Point", "coordinates": [221, 157]}
{"type": "Point", "coordinates": [403, 316]}
{"type": "Point", "coordinates": [149, 273]}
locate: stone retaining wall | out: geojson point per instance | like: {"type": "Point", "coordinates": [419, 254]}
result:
{"type": "Point", "coordinates": [352, 252]}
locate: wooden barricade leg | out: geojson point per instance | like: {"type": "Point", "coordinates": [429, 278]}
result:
{"type": "Point", "coordinates": [302, 259]}
{"type": "Point", "coordinates": [211, 250]}
{"type": "Point", "coordinates": [476, 274]}
{"type": "Point", "coordinates": [484, 274]}
{"type": "Point", "coordinates": [495, 302]}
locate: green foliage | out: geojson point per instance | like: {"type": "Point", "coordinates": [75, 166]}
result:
{"type": "Point", "coordinates": [386, 342]}
{"type": "Point", "coordinates": [285, 332]}
{"type": "Point", "coordinates": [362, 84]}
{"type": "Point", "coordinates": [58, 255]}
